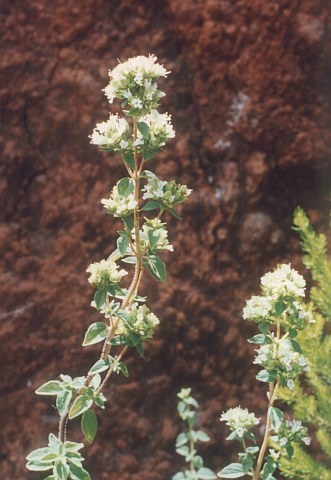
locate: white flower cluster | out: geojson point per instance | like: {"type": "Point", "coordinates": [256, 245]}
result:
{"type": "Point", "coordinates": [156, 228]}
{"type": "Point", "coordinates": [160, 128]}
{"type": "Point", "coordinates": [134, 82]}
{"type": "Point", "coordinates": [112, 134]}
{"type": "Point", "coordinates": [142, 321]}
{"type": "Point", "coordinates": [258, 308]}
{"type": "Point", "coordinates": [239, 420]}
{"type": "Point", "coordinates": [282, 282]}
{"type": "Point", "coordinates": [119, 205]}
{"type": "Point", "coordinates": [104, 273]}
{"type": "Point", "coordinates": [167, 193]}
{"type": "Point", "coordinates": [291, 431]}
{"type": "Point", "coordinates": [281, 356]}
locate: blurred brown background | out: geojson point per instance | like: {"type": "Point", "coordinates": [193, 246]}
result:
{"type": "Point", "coordinates": [250, 98]}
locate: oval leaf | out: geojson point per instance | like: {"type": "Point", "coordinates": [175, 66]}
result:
{"type": "Point", "coordinates": [62, 401]}
{"type": "Point", "coordinates": [234, 470]}
{"type": "Point", "coordinates": [156, 267]}
{"type": "Point", "coordinates": [80, 405]}
{"type": "Point", "coordinates": [99, 366]}
{"type": "Point", "coordinates": [78, 473]}
{"type": "Point", "coordinates": [96, 333]}
{"type": "Point", "coordinates": [89, 425]}
{"type": "Point", "coordinates": [125, 187]}
{"type": "Point", "coordinates": [206, 474]}
{"type": "Point", "coordinates": [50, 388]}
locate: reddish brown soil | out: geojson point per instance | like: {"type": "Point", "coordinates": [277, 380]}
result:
{"type": "Point", "coordinates": [251, 106]}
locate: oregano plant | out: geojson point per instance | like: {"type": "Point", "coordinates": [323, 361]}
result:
{"type": "Point", "coordinates": [186, 441]}
{"type": "Point", "coordinates": [280, 314]}
{"type": "Point", "coordinates": [140, 201]}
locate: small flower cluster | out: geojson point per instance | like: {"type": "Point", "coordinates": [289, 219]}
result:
{"type": "Point", "coordinates": [284, 281]}
{"type": "Point", "coordinates": [112, 134]}
{"type": "Point", "coordinates": [258, 308]}
{"type": "Point", "coordinates": [155, 235]}
{"type": "Point", "coordinates": [141, 321]}
{"type": "Point", "coordinates": [240, 420]}
{"type": "Point", "coordinates": [159, 127]}
{"type": "Point", "coordinates": [280, 357]}
{"type": "Point", "coordinates": [133, 82]}
{"type": "Point", "coordinates": [291, 431]}
{"type": "Point", "coordinates": [168, 194]}
{"type": "Point", "coordinates": [105, 273]}
{"type": "Point", "coordinates": [119, 205]}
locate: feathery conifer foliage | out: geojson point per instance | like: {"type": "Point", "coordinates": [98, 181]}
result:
{"type": "Point", "coordinates": [312, 405]}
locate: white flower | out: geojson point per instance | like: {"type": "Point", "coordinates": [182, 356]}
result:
{"type": "Point", "coordinates": [158, 229]}
{"type": "Point", "coordinates": [258, 308]}
{"type": "Point", "coordinates": [136, 103]}
{"type": "Point", "coordinates": [118, 205]}
{"type": "Point", "coordinates": [110, 133]}
{"type": "Point", "coordinates": [239, 420]}
{"type": "Point", "coordinates": [283, 281]}
{"type": "Point", "coordinates": [104, 273]}
{"type": "Point", "coordinates": [160, 128]}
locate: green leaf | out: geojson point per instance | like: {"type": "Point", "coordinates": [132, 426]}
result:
{"type": "Point", "coordinates": [260, 339]}
{"type": "Point", "coordinates": [99, 366]}
{"type": "Point", "coordinates": [89, 425]}
{"type": "Point", "coordinates": [62, 471]}
{"type": "Point", "coordinates": [264, 327]}
{"type": "Point", "coordinates": [265, 376]}
{"type": "Point", "coordinates": [100, 298]}
{"type": "Point", "coordinates": [181, 439]}
{"type": "Point", "coordinates": [73, 446]}
{"type": "Point", "coordinates": [95, 333]}
{"type": "Point", "coordinates": [296, 346]}
{"type": "Point", "coordinates": [62, 401]}
{"type": "Point", "coordinates": [153, 238]}
{"type": "Point", "coordinates": [39, 454]}
{"type": "Point", "coordinates": [78, 473]}
{"type": "Point", "coordinates": [151, 205]}
{"type": "Point", "coordinates": [100, 400]}
{"type": "Point", "coordinates": [122, 244]}
{"type": "Point", "coordinates": [276, 417]}
{"type": "Point", "coordinates": [234, 470]}
{"type": "Point", "coordinates": [50, 477]}
{"type": "Point", "coordinates": [179, 476]}
{"type": "Point", "coordinates": [247, 463]}
{"type": "Point", "coordinates": [125, 187]}
{"type": "Point", "coordinates": [289, 450]}
{"type": "Point", "coordinates": [202, 436]}
{"type": "Point", "coordinates": [132, 260]}
{"type": "Point", "coordinates": [174, 213]}
{"type": "Point", "coordinates": [140, 349]}
{"type": "Point", "coordinates": [50, 388]}
{"type": "Point", "coordinates": [54, 442]}
{"type": "Point", "coordinates": [37, 466]}
{"type": "Point", "coordinates": [156, 267]}
{"type": "Point", "coordinates": [252, 450]}
{"type": "Point", "coordinates": [128, 158]}
{"type": "Point", "coordinates": [143, 129]}
{"type": "Point", "coordinates": [206, 474]}
{"type": "Point", "coordinates": [117, 340]}
{"type": "Point", "coordinates": [124, 369]}
{"type": "Point", "coordinates": [128, 222]}
{"type": "Point", "coordinates": [280, 308]}
{"type": "Point", "coordinates": [184, 450]}
{"type": "Point", "coordinates": [80, 405]}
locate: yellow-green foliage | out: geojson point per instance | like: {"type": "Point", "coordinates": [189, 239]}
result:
{"type": "Point", "coordinates": [313, 404]}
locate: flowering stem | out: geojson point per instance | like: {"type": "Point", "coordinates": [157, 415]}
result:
{"type": "Point", "coordinates": [130, 293]}
{"type": "Point", "coordinates": [273, 388]}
